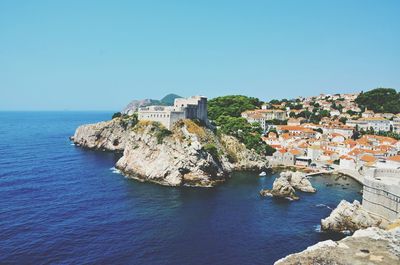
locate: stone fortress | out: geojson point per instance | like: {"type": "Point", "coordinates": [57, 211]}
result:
{"type": "Point", "coordinates": [194, 107]}
{"type": "Point", "coordinates": [381, 193]}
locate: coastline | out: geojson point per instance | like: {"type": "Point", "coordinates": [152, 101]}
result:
{"type": "Point", "coordinates": [312, 171]}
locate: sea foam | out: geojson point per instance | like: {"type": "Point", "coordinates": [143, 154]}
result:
{"type": "Point", "coordinates": [115, 170]}
{"type": "Point", "coordinates": [323, 205]}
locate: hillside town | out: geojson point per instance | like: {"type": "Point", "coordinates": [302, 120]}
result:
{"type": "Point", "coordinates": [325, 134]}
{"type": "Point", "coordinates": [321, 132]}
{"type": "Point", "coordinates": [328, 131]}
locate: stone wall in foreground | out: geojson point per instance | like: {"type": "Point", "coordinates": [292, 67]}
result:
{"type": "Point", "coordinates": [381, 193]}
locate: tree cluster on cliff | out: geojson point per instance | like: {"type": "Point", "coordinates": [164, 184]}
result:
{"type": "Point", "coordinates": [380, 100]}
{"type": "Point", "coordinates": [225, 112]}
{"type": "Point", "coordinates": [232, 106]}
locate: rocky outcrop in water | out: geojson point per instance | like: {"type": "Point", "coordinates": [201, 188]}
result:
{"type": "Point", "coordinates": [369, 246]}
{"type": "Point", "coordinates": [281, 189]}
{"type": "Point", "coordinates": [299, 181]}
{"type": "Point", "coordinates": [175, 158]}
{"type": "Point", "coordinates": [349, 217]}
{"type": "Point", "coordinates": [190, 154]}
{"type": "Point", "coordinates": [286, 185]}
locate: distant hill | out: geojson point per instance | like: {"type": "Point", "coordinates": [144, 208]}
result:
{"type": "Point", "coordinates": [169, 99]}
{"type": "Point", "coordinates": [133, 106]}
{"type": "Point", "coordinates": [380, 100]}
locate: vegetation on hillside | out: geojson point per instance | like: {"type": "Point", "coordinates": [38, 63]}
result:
{"type": "Point", "coordinates": [225, 112]}
{"type": "Point", "coordinates": [212, 150]}
{"type": "Point", "coordinates": [380, 100]}
{"type": "Point", "coordinates": [231, 106]}
{"type": "Point", "coordinates": [156, 129]}
{"type": "Point", "coordinates": [161, 133]}
{"type": "Point", "coordinates": [126, 121]}
{"type": "Point", "coordinates": [116, 115]}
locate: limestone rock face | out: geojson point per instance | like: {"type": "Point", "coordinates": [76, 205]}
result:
{"type": "Point", "coordinates": [281, 189]}
{"type": "Point", "coordinates": [240, 157]}
{"type": "Point", "coordinates": [179, 159]}
{"type": "Point", "coordinates": [299, 181]}
{"type": "Point", "coordinates": [133, 106]}
{"type": "Point", "coordinates": [286, 185]}
{"type": "Point", "coordinates": [108, 135]}
{"type": "Point", "coordinates": [349, 217]}
{"type": "Point", "coordinates": [369, 246]}
{"type": "Point", "coordinates": [189, 155]}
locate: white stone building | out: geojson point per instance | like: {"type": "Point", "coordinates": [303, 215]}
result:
{"type": "Point", "coordinates": [194, 107]}
{"type": "Point", "coordinates": [396, 125]}
{"type": "Point", "coordinates": [283, 158]}
{"type": "Point", "coordinates": [262, 116]}
{"type": "Point", "coordinates": [376, 123]}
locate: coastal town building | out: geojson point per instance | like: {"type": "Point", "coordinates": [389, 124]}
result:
{"type": "Point", "coordinates": [396, 125]}
{"type": "Point", "coordinates": [283, 158]}
{"type": "Point", "coordinates": [342, 139]}
{"type": "Point", "coordinates": [296, 130]}
{"type": "Point", "coordinates": [295, 122]}
{"type": "Point", "coordinates": [194, 107]}
{"type": "Point", "coordinates": [368, 114]}
{"type": "Point", "coordinates": [375, 123]}
{"type": "Point", "coordinates": [264, 116]}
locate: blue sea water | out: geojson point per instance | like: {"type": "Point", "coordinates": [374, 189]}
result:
{"type": "Point", "coordinates": [60, 204]}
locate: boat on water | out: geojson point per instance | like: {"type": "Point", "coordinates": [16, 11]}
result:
{"type": "Point", "coordinates": [262, 174]}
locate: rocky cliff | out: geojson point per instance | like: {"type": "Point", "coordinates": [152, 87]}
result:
{"type": "Point", "coordinates": [349, 217]}
{"type": "Point", "coordinates": [173, 158]}
{"type": "Point", "coordinates": [369, 246]}
{"type": "Point", "coordinates": [108, 135]}
{"type": "Point", "coordinates": [134, 105]}
{"type": "Point", "coordinates": [189, 155]}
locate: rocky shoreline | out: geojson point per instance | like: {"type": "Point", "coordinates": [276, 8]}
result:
{"type": "Point", "coordinates": [193, 155]}
{"type": "Point", "coordinates": [349, 217]}
{"type": "Point", "coordinates": [369, 246]}
{"type": "Point", "coordinates": [374, 241]}
{"type": "Point", "coordinates": [188, 155]}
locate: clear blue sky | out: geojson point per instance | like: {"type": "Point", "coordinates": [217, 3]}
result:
{"type": "Point", "coordinates": [98, 55]}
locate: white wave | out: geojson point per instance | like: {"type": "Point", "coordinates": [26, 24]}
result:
{"type": "Point", "coordinates": [115, 170]}
{"type": "Point", "coordinates": [72, 144]}
{"type": "Point", "coordinates": [317, 228]}
{"type": "Point", "coordinates": [323, 205]}
{"type": "Point", "coordinates": [346, 232]}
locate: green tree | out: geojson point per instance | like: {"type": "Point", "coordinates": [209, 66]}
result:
{"type": "Point", "coordinates": [343, 120]}
{"type": "Point", "coordinates": [226, 114]}
{"type": "Point", "coordinates": [324, 113]}
{"type": "Point", "coordinates": [116, 115]}
{"type": "Point", "coordinates": [232, 106]}
{"type": "Point", "coordinates": [380, 100]}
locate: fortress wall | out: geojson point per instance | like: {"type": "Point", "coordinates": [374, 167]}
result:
{"type": "Point", "coordinates": [184, 108]}
{"type": "Point", "coordinates": [175, 116]}
{"type": "Point", "coordinates": [381, 193]}
{"type": "Point", "coordinates": [387, 172]}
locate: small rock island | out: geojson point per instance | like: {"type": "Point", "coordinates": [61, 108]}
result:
{"type": "Point", "coordinates": [170, 145]}
{"type": "Point", "coordinates": [286, 185]}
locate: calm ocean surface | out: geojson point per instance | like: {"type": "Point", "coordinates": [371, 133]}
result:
{"type": "Point", "coordinates": [60, 204]}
